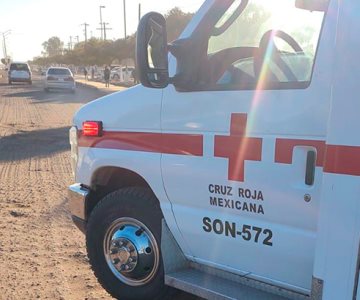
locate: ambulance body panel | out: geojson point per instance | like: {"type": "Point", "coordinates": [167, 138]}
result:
{"type": "Point", "coordinates": [256, 171]}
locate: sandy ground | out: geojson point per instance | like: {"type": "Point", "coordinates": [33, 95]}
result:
{"type": "Point", "coordinates": [42, 254]}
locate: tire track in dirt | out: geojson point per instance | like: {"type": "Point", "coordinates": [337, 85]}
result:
{"type": "Point", "coordinates": [42, 254]}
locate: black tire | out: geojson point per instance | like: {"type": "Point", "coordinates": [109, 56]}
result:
{"type": "Point", "coordinates": [116, 77]}
{"type": "Point", "coordinates": [134, 203]}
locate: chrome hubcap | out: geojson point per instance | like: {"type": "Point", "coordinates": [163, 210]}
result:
{"type": "Point", "coordinates": [131, 251]}
{"type": "Point", "coordinates": [123, 255]}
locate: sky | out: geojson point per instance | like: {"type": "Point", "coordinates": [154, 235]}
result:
{"type": "Point", "coordinates": [34, 21]}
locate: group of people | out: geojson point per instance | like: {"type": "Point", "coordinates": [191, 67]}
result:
{"type": "Point", "coordinates": [92, 70]}
{"type": "Point", "coordinates": [106, 74]}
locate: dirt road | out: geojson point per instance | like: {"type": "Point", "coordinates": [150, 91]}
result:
{"type": "Point", "coordinates": [42, 255]}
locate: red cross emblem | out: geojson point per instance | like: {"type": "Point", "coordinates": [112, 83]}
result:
{"type": "Point", "coordinates": [237, 147]}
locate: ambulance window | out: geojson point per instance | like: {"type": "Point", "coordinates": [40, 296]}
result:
{"type": "Point", "coordinates": [271, 44]}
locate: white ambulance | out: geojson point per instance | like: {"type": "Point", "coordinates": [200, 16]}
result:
{"type": "Point", "coordinates": [233, 171]}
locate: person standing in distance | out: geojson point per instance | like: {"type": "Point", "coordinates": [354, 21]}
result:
{"type": "Point", "coordinates": [86, 73]}
{"type": "Point", "coordinates": [107, 76]}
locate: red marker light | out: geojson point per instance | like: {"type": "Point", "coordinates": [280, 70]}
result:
{"type": "Point", "coordinates": [92, 128]}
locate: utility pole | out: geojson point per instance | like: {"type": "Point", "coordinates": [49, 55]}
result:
{"type": "Point", "coordinates": [105, 28]}
{"type": "Point", "coordinates": [101, 22]}
{"type": "Point", "coordinates": [70, 43]}
{"type": "Point", "coordinates": [4, 34]}
{"type": "Point", "coordinates": [85, 30]}
{"type": "Point", "coordinates": [124, 1]}
{"type": "Point", "coordinates": [4, 43]}
{"type": "Point", "coordinates": [139, 12]}
{"type": "Point", "coordinates": [76, 38]}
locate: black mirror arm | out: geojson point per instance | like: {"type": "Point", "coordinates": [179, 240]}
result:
{"type": "Point", "coordinates": [231, 20]}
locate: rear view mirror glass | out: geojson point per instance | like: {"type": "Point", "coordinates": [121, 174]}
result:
{"type": "Point", "coordinates": [157, 46]}
{"type": "Point", "coordinates": [152, 51]}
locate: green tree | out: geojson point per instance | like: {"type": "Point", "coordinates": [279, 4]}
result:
{"type": "Point", "coordinates": [176, 21]}
{"type": "Point", "coordinates": [305, 38]}
{"type": "Point", "coordinates": [99, 52]}
{"type": "Point", "coordinates": [245, 31]}
{"type": "Point", "coordinates": [53, 47]}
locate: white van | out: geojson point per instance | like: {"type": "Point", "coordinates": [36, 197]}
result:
{"type": "Point", "coordinates": [19, 72]}
{"type": "Point", "coordinates": [233, 171]}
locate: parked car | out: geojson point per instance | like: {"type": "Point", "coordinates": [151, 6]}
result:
{"type": "Point", "coordinates": [59, 78]}
{"type": "Point", "coordinates": [122, 74]}
{"type": "Point", "coordinates": [19, 72]}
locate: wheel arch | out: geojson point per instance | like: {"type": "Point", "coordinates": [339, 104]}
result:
{"type": "Point", "coordinates": [106, 180]}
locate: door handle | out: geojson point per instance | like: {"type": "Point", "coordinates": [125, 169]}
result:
{"type": "Point", "coordinates": [310, 167]}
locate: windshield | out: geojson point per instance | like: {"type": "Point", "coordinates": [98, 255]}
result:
{"type": "Point", "coordinates": [59, 72]}
{"type": "Point", "coordinates": [271, 41]}
{"type": "Point", "coordinates": [19, 67]}
{"type": "Point", "coordinates": [260, 16]}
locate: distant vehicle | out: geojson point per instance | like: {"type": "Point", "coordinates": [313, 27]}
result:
{"type": "Point", "coordinates": [114, 66]}
{"type": "Point", "coordinates": [19, 72]}
{"type": "Point", "coordinates": [122, 74]}
{"type": "Point", "coordinates": [59, 78]}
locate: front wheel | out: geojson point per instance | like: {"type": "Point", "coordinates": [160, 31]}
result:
{"type": "Point", "coordinates": [123, 243]}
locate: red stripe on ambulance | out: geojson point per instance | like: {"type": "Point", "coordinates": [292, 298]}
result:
{"type": "Point", "coordinates": [182, 144]}
{"type": "Point", "coordinates": [236, 147]}
{"type": "Point", "coordinates": [284, 150]}
{"type": "Point", "coordinates": [342, 160]}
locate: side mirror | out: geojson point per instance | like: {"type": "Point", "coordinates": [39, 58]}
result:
{"type": "Point", "coordinates": [313, 5]}
{"type": "Point", "coordinates": [152, 51]}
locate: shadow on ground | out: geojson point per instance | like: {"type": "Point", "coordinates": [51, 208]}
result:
{"type": "Point", "coordinates": [37, 143]}
{"type": "Point", "coordinates": [82, 95]}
